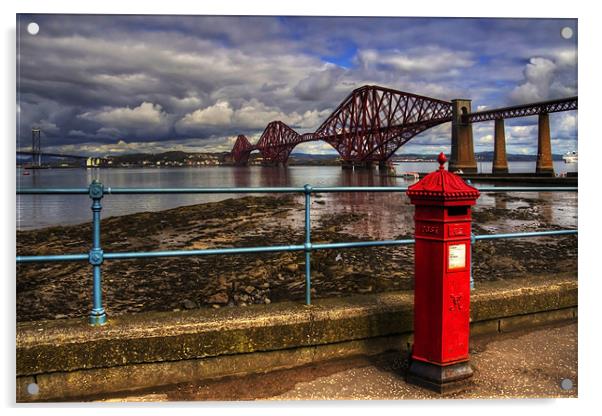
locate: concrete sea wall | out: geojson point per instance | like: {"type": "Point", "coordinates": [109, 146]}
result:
{"type": "Point", "coordinates": [70, 360]}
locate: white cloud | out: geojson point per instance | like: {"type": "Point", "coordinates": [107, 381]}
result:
{"type": "Point", "coordinates": [77, 133]}
{"type": "Point", "coordinates": [146, 119]}
{"type": "Point", "coordinates": [487, 139]}
{"type": "Point", "coordinates": [539, 74]}
{"type": "Point", "coordinates": [568, 122]}
{"type": "Point", "coordinates": [545, 79]}
{"type": "Point", "coordinates": [186, 103]}
{"type": "Point", "coordinates": [219, 114]}
{"type": "Point", "coordinates": [563, 126]}
{"type": "Point", "coordinates": [517, 132]}
{"type": "Point", "coordinates": [108, 132]}
{"type": "Point", "coordinates": [138, 81]}
{"type": "Point", "coordinates": [522, 150]}
{"type": "Point", "coordinates": [48, 127]}
{"type": "Point", "coordinates": [318, 83]}
{"type": "Point", "coordinates": [122, 117]}
{"type": "Point", "coordinates": [252, 115]}
{"type": "Point", "coordinates": [255, 114]}
{"type": "Point", "coordinates": [318, 147]}
{"type": "Point", "coordinates": [420, 60]}
{"type": "Point", "coordinates": [565, 57]}
{"type": "Point", "coordinates": [216, 144]}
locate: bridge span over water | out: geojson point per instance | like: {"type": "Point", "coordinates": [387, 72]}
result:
{"type": "Point", "coordinates": [373, 122]}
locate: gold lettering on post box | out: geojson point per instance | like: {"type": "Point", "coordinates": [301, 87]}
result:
{"type": "Point", "coordinates": [430, 229]}
{"type": "Point", "coordinates": [456, 302]}
{"type": "Point", "coordinates": [457, 230]}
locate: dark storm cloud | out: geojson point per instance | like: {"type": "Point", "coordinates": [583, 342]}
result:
{"type": "Point", "coordinates": [130, 80]}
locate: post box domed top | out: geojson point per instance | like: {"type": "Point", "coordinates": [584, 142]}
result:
{"type": "Point", "coordinates": [442, 185]}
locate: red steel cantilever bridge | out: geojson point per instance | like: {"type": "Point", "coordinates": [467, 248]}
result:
{"type": "Point", "coordinates": [373, 122]}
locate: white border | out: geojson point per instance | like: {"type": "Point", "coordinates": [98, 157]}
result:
{"type": "Point", "coordinates": [589, 204]}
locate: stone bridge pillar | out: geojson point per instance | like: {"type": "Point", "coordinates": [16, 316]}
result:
{"type": "Point", "coordinates": [370, 165]}
{"type": "Point", "coordinates": [500, 161]}
{"type": "Point", "coordinates": [462, 150]}
{"type": "Point", "coordinates": [386, 167]}
{"type": "Point", "coordinates": [544, 146]}
{"type": "Point", "coordinates": [347, 164]}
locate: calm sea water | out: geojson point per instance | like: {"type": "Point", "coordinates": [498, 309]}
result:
{"type": "Point", "coordinates": [36, 211]}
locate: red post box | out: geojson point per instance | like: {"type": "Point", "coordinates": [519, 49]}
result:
{"type": "Point", "coordinates": [442, 280]}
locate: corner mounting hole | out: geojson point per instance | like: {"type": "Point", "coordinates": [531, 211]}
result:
{"type": "Point", "coordinates": [33, 389]}
{"type": "Point", "coordinates": [566, 32]}
{"type": "Point", "coordinates": [566, 384]}
{"type": "Point", "coordinates": [33, 28]}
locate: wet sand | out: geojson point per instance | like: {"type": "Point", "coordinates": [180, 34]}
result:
{"type": "Point", "coordinates": [62, 290]}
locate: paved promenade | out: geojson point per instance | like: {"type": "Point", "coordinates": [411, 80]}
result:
{"type": "Point", "coordinates": [522, 364]}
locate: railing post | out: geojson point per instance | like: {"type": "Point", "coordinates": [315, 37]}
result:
{"type": "Point", "coordinates": [95, 257]}
{"type": "Point", "coordinates": [307, 190]}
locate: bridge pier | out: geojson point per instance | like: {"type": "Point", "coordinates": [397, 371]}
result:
{"type": "Point", "coordinates": [386, 167]}
{"type": "Point", "coordinates": [500, 161]}
{"type": "Point", "coordinates": [347, 164]}
{"type": "Point", "coordinates": [274, 164]}
{"type": "Point", "coordinates": [462, 149]}
{"type": "Point", "coordinates": [544, 146]}
{"type": "Point", "coordinates": [364, 165]}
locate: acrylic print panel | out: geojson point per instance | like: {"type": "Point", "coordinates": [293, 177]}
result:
{"type": "Point", "coordinates": [186, 231]}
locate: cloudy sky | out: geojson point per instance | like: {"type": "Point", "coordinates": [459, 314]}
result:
{"type": "Point", "coordinates": [121, 84]}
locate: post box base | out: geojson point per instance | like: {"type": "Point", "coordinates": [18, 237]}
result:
{"type": "Point", "coordinates": [438, 378]}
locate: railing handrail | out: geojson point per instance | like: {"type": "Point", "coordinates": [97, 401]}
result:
{"type": "Point", "coordinates": [96, 255]}
{"type": "Point", "coordinates": [270, 249]}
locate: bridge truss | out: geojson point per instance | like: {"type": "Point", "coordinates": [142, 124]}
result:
{"type": "Point", "coordinates": [369, 125]}
{"type": "Point", "coordinates": [373, 122]}
{"type": "Point", "coordinates": [553, 106]}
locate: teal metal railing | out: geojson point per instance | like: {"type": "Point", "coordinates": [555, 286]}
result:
{"type": "Point", "coordinates": [96, 256]}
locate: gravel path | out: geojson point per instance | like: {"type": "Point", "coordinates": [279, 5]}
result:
{"type": "Point", "coordinates": [525, 364]}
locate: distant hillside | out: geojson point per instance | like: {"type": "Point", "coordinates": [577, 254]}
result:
{"type": "Point", "coordinates": [180, 158]}
{"type": "Point", "coordinates": [173, 156]}
{"type": "Point", "coordinates": [488, 156]}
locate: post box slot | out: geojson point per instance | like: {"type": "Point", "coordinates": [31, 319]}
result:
{"type": "Point", "coordinates": [457, 211]}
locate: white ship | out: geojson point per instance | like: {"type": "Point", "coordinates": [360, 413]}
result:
{"type": "Point", "coordinates": [570, 157]}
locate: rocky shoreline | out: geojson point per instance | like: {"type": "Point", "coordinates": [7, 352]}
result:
{"type": "Point", "coordinates": [62, 290]}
